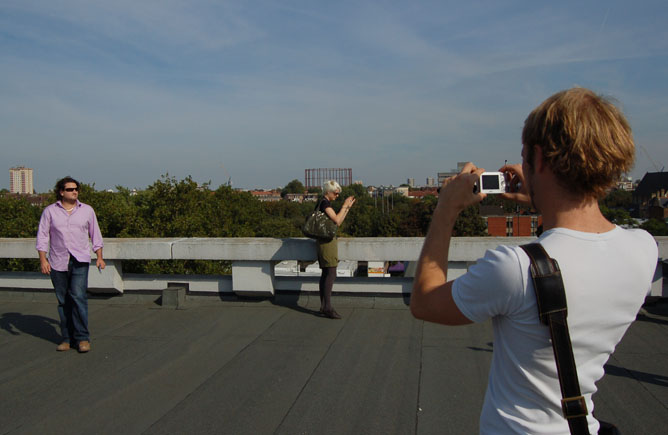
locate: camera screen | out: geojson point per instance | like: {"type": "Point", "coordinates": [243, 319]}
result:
{"type": "Point", "coordinates": [490, 181]}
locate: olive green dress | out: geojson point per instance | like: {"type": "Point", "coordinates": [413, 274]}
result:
{"type": "Point", "coordinates": [328, 251]}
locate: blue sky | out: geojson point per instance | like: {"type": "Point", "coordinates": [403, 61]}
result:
{"type": "Point", "coordinates": [121, 92]}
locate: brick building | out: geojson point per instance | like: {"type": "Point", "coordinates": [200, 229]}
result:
{"type": "Point", "coordinates": [504, 224]}
{"type": "Point", "coordinates": [21, 180]}
{"type": "Point", "coordinates": [651, 190]}
{"type": "Point", "coordinates": [513, 225]}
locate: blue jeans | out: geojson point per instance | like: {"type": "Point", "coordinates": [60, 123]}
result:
{"type": "Point", "coordinates": [71, 287]}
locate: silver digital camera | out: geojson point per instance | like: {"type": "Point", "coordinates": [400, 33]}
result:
{"type": "Point", "coordinates": [491, 183]}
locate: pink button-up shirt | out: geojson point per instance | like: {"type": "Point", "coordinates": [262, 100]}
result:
{"type": "Point", "coordinates": [61, 234]}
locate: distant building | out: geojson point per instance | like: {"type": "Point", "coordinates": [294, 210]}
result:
{"type": "Point", "coordinates": [431, 182]}
{"type": "Point", "coordinates": [653, 185]}
{"type": "Point", "coordinates": [267, 195]}
{"type": "Point", "coordinates": [443, 175]}
{"type": "Point", "coordinates": [21, 180]}
{"type": "Point", "coordinates": [658, 208]}
{"type": "Point", "coordinates": [410, 182]}
{"type": "Point", "coordinates": [403, 191]}
{"type": "Point", "coordinates": [316, 177]}
{"type": "Point", "coordinates": [625, 184]}
{"type": "Point", "coordinates": [420, 194]}
{"type": "Point", "coordinates": [382, 191]}
{"type": "Point", "coordinates": [301, 197]}
{"type": "Point", "coordinates": [503, 224]}
{"type": "Point", "coordinates": [513, 225]}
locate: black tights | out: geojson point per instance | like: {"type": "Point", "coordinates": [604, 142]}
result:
{"type": "Point", "coordinates": [326, 283]}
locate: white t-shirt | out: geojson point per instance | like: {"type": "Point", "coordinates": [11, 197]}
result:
{"type": "Point", "coordinates": [606, 277]}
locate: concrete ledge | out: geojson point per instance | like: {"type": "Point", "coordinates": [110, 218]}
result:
{"type": "Point", "coordinates": [196, 283]}
{"type": "Point", "coordinates": [18, 248]}
{"type": "Point", "coordinates": [25, 280]}
{"type": "Point", "coordinates": [253, 259]}
{"type": "Point", "coordinates": [271, 249]}
{"type": "Point", "coordinates": [390, 286]}
{"type": "Point", "coordinates": [245, 249]}
{"type": "Point", "coordinates": [114, 248]}
{"type": "Point", "coordinates": [139, 249]}
{"type": "Point", "coordinates": [371, 249]}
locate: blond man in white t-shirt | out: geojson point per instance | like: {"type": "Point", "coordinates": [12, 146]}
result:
{"type": "Point", "coordinates": [576, 144]}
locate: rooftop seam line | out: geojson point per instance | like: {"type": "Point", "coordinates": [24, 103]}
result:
{"type": "Point", "coordinates": [419, 381]}
{"type": "Point", "coordinates": [220, 369]}
{"type": "Point", "coordinates": [315, 369]}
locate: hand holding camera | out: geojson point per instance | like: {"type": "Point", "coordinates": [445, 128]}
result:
{"type": "Point", "coordinates": [518, 191]}
{"type": "Point", "coordinates": [492, 183]}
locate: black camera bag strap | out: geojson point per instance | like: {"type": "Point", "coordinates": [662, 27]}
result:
{"type": "Point", "coordinates": [552, 310]}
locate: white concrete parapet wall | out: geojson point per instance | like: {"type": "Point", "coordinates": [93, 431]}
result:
{"type": "Point", "coordinates": [253, 261]}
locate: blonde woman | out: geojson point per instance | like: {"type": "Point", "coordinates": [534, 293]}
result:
{"type": "Point", "coordinates": [328, 251]}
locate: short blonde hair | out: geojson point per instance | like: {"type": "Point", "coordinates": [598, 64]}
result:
{"type": "Point", "coordinates": [330, 186]}
{"type": "Point", "coordinates": [586, 141]}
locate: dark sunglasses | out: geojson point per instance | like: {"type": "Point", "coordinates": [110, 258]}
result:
{"type": "Point", "coordinates": [71, 189]}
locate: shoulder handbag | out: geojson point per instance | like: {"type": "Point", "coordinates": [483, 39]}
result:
{"type": "Point", "coordinates": [552, 311]}
{"type": "Point", "coordinates": [319, 226]}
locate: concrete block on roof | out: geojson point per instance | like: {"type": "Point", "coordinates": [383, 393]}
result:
{"type": "Point", "coordinates": [662, 242]}
{"type": "Point", "coordinates": [457, 269]}
{"type": "Point", "coordinates": [253, 278]}
{"type": "Point", "coordinates": [657, 288]}
{"type": "Point", "coordinates": [107, 280]}
{"type": "Point", "coordinates": [174, 296]}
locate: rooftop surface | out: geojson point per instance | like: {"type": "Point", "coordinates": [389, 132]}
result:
{"type": "Point", "coordinates": [268, 368]}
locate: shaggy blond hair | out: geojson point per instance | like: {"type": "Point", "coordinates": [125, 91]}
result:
{"type": "Point", "coordinates": [585, 140]}
{"type": "Point", "coordinates": [330, 186]}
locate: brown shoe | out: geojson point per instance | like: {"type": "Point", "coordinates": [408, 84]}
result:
{"type": "Point", "coordinates": [332, 314]}
{"type": "Point", "coordinates": [62, 347]}
{"type": "Point", "coordinates": [84, 346]}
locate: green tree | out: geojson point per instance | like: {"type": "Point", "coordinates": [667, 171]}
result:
{"type": "Point", "coordinates": [295, 186]}
{"type": "Point", "coordinates": [469, 223]}
{"type": "Point", "coordinates": [620, 199]}
{"type": "Point", "coordinates": [356, 190]}
{"type": "Point", "coordinates": [618, 216]}
{"type": "Point", "coordinates": [284, 218]}
{"type": "Point", "coordinates": [19, 219]}
{"type": "Point", "coordinates": [236, 214]}
{"type": "Point", "coordinates": [615, 207]}
{"type": "Point", "coordinates": [655, 227]}
{"type": "Point", "coordinates": [507, 205]}
{"type": "Point", "coordinates": [116, 212]}
{"type": "Point", "coordinates": [171, 208]}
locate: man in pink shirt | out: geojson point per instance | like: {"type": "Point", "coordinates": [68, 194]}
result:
{"type": "Point", "coordinates": [64, 253]}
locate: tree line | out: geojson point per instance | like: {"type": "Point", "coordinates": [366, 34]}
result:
{"type": "Point", "coordinates": [182, 208]}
